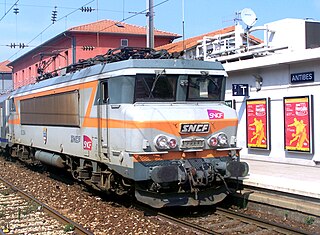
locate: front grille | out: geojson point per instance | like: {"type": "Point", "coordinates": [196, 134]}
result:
{"type": "Point", "coordinates": [192, 143]}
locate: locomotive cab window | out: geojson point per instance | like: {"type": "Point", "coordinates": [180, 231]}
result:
{"type": "Point", "coordinates": [155, 87]}
{"type": "Point", "coordinates": [205, 87]}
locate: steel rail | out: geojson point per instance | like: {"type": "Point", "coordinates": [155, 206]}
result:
{"type": "Point", "coordinates": [187, 224]}
{"type": "Point", "coordinates": [148, 211]}
{"type": "Point", "coordinates": [78, 229]}
{"type": "Point", "coordinates": [261, 222]}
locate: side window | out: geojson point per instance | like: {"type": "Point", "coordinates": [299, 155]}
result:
{"type": "Point", "coordinates": [12, 105]}
{"type": "Point", "coordinates": [105, 93]}
{"type": "Point", "coordinates": [1, 116]}
{"type": "Point", "coordinates": [120, 89]}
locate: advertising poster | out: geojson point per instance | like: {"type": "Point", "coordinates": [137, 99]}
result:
{"type": "Point", "coordinates": [258, 123]}
{"type": "Point", "coordinates": [297, 123]}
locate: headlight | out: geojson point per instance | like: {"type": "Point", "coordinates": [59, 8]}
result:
{"type": "Point", "coordinates": [172, 143]}
{"type": "Point", "coordinates": [213, 142]}
{"type": "Point", "coordinates": [163, 142]}
{"type": "Point", "coordinates": [222, 139]}
{"type": "Point", "coordinates": [218, 140]}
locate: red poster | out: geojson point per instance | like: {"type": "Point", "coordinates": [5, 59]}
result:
{"type": "Point", "coordinates": [257, 124]}
{"type": "Point", "coordinates": [297, 124]}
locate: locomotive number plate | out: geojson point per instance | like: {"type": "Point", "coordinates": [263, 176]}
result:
{"type": "Point", "coordinates": [192, 143]}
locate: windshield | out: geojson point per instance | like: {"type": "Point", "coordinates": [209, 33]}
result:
{"type": "Point", "coordinates": [155, 87]}
{"type": "Point", "coordinates": [205, 88]}
{"type": "Point", "coordinates": [162, 87]}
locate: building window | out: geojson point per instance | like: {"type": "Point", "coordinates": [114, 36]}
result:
{"type": "Point", "coordinates": [66, 55]}
{"type": "Point", "coordinates": [124, 43]}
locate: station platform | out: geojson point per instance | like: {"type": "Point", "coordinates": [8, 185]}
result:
{"type": "Point", "coordinates": [302, 181]}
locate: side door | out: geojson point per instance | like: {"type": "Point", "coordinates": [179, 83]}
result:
{"type": "Point", "coordinates": [117, 93]}
{"type": "Point", "coordinates": [11, 118]}
{"type": "Point", "coordinates": [103, 116]}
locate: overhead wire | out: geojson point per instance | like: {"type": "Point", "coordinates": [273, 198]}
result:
{"type": "Point", "coordinates": [45, 29]}
{"type": "Point", "coordinates": [59, 20]}
{"type": "Point", "coordinates": [61, 7]}
{"type": "Point", "coordinates": [125, 19]}
{"type": "Point", "coordinates": [135, 14]}
{"type": "Point", "coordinates": [9, 10]}
{"type": "Point", "coordinates": [75, 10]}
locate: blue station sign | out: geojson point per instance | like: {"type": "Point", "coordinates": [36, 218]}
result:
{"type": "Point", "coordinates": [240, 89]}
{"type": "Point", "coordinates": [302, 77]}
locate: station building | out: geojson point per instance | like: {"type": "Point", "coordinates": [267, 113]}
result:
{"type": "Point", "coordinates": [274, 86]}
{"type": "Point", "coordinates": [6, 83]}
{"type": "Point", "coordinates": [79, 43]}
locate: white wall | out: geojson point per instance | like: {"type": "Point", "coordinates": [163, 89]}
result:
{"type": "Point", "coordinates": [276, 85]}
{"type": "Point", "coordinates": [287, 32]}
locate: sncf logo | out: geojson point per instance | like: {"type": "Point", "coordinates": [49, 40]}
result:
{"type": "Point", "coordinates": [87, 143]}
{"type": "Point", "coordinates": [194, 128]}
{"type": "Point", "coordinates": [215, 114]}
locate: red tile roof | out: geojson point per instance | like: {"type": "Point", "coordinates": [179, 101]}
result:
{"type": "Point", "coordinates": [4, 67]}
{"type": "Point", "coordinates": [192, 42]}
{"type": "Point", "coordinates": [110, 26]}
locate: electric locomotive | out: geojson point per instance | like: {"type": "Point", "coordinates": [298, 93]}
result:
{"type": "Point", "coordinates": [136, 121]}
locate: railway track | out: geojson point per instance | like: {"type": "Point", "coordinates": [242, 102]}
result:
{"type": "Point", "coordinates": [223, 221]}
{"type": "Point", "coordinates": [21, 213]}
{"type": "Point", "coordinates": [264, 225]}
{"type": "Point", "coordinates": [111, 219]}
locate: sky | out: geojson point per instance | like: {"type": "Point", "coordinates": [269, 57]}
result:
{"type": "Point", "coordinates": [32, 24]}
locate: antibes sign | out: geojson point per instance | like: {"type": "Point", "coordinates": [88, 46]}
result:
{"type": "Point", "coordinates": [302, 77]}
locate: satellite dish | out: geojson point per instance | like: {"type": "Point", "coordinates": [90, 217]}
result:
{"type": "Point", "coordinates": [248, 17]}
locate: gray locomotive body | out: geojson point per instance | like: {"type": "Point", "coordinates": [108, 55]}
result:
{"type": "Point", "coordinates": [157, 128]}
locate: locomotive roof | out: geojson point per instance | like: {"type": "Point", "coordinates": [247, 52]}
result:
{"type": "Point", "coordinates": [163, 63]}
{"type": "Point", "coordinates": [125, 64]}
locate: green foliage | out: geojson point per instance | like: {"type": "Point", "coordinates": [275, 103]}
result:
{"type": "Point", "coordinates": [32, 207]}
{"type": "Point", "coordinates": [2, 214]}
{"type": "Point", "coordinates": [68, 228]}
{"type": "Point", "coordinates": [5, 192]}
{"type": "Point", "coordinates": [309, 220]}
